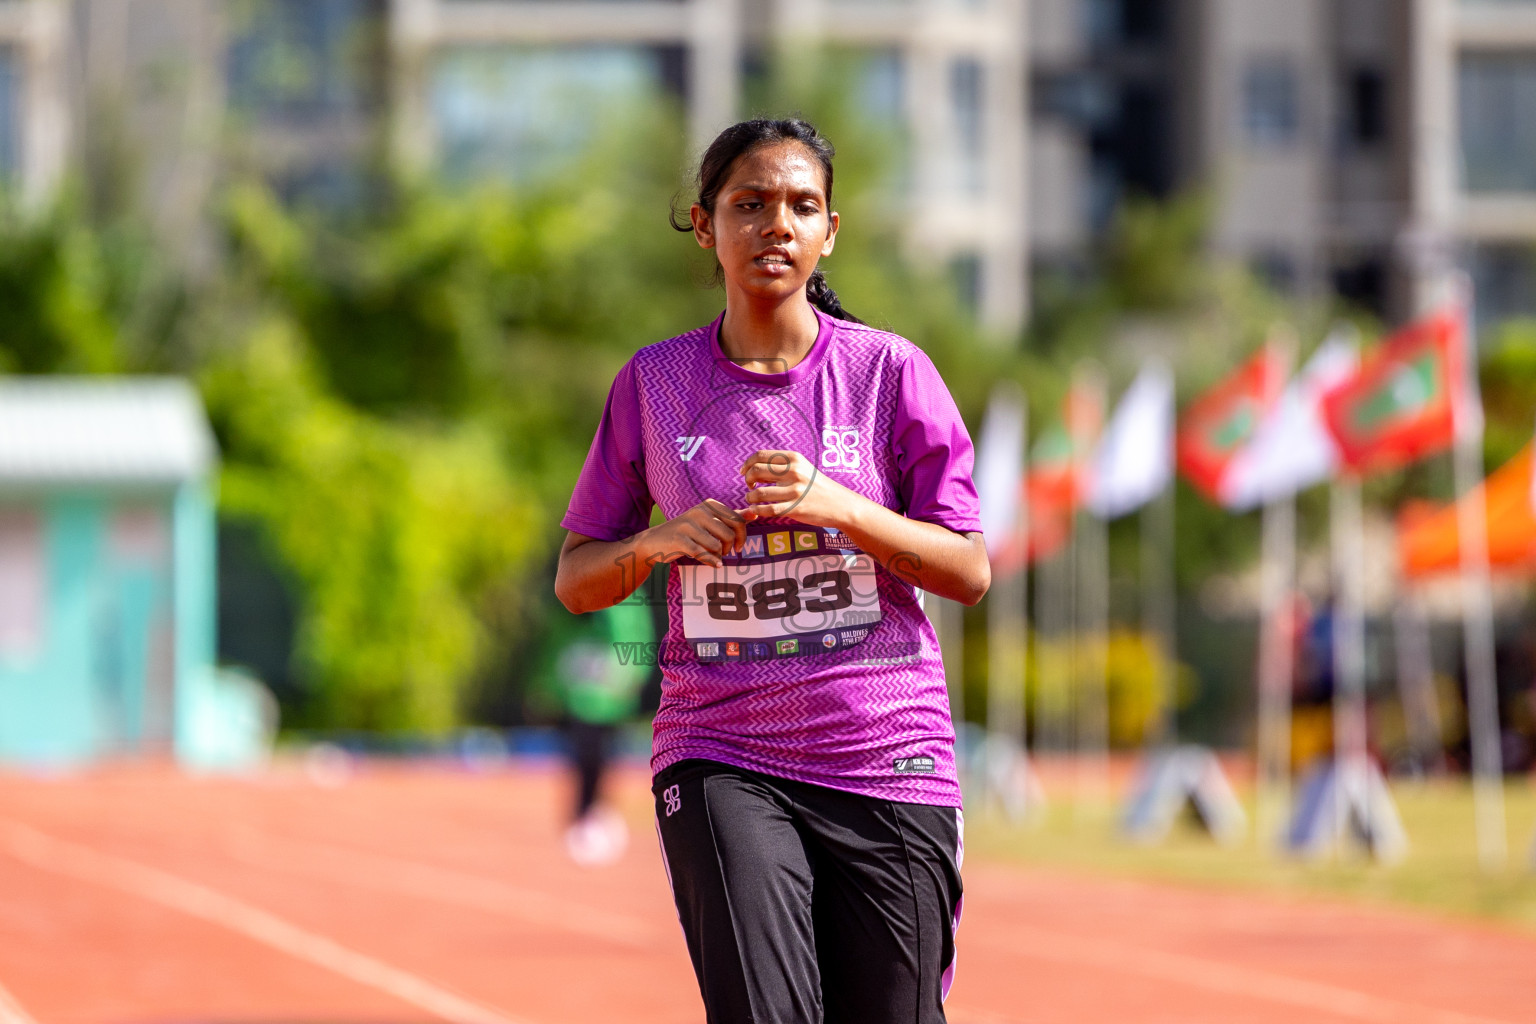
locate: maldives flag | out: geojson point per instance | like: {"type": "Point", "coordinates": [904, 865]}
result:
{"type": "Point", "coordinates": [1220, 422]}
{"type": "Point", "coordinates": [1403, 403]}
{"type": "Point", "coordinates": [1058, 476]}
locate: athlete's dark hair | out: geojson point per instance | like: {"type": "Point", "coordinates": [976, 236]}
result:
{"type": "Point", "coordinates": [737, 141]}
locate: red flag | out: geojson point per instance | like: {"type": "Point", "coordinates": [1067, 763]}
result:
{"type": "Point", "coordinates": [1058, 476]}
{"type": "Point", "coordinates": [1221, 421]}
{"type": "Point", "coordinates": [1403, 403]}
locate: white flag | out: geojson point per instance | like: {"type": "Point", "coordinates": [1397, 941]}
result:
{"type": "Point", "coordinates": [1000, 466]}
{"type": "Point", "coordinates": [1134, 460]}
{"type": "Point", "coordinates": [1292, 448]}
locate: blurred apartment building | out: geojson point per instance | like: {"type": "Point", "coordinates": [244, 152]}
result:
{"type": "Point", "coordinates": [1357, 147]}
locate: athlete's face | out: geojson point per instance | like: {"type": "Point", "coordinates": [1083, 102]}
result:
{"type": "Point", "coordinates": [771, 223]}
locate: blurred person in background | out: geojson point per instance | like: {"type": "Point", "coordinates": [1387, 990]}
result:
{"type": "Point", "coordinates": [814, 473]}
{"type": "Point", "coordinates": [1312, 697]}
{"type": "Point", "coordinates": [596, 665]}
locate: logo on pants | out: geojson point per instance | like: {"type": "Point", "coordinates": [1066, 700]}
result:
{"type": "Point", "coordinates": [672, 796]}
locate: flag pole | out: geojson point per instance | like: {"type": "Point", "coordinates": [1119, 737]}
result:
{"type": "Point", "coordinates": [1415, 680]}
{"type": "Point", "coordinates": [1157, 610]}
{"type": "Point", "coordinates": [1276, 653]}
{"type": "Point", "coordinates": [1092, 671]}
{"type": "Point", "coordinates": [1053, 616]}
{"type": "Point", "coordinates": [1069, 680]}
{"type": "Point", "coordinates": [1093, 602]}
{"type": "Point", "coordinates": [1044, 637]}
{"type": "Point", "coordinates": [1277, 623]}
{"type": "Point", "coordinates": [1477, 602]}
{"type": "Point", "coordinates": [1350, 737]}
{"type": "Point", "coordinates": [1005, 669]}
{"type": "Point", "coordinates": [949, 628]}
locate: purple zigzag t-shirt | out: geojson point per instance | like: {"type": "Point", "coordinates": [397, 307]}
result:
{"type": "Point", "coordinates": [803, 657]}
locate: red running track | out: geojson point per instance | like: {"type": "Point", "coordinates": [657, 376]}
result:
{"type": "Point", "coordinates": [421, 893]}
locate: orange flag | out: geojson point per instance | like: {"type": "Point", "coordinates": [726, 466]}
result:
{"type": "Point", "coordinates": [1428, 543]}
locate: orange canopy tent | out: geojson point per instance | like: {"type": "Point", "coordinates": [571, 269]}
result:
{"type": "Point", "coordinates": [1428, 543]}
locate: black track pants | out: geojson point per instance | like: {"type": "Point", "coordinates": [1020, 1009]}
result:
{"type": "Point", "coordinates": [802, 904]}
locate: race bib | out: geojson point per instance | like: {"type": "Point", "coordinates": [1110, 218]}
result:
{"type": "Point", "coordinates": [791, 592]}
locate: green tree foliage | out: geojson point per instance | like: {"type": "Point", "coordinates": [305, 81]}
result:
{"type": "Point", "coordinates": [57, 293]}
{"type": "Point", "coordinates": [394, 531]}
{"type": "Point", "coordinates": [1509, 390]}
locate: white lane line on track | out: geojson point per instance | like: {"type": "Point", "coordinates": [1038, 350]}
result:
{"type": "Point", "coordinates": [1229, 979]}
{"type": "Point", "coordinates": [11, 1011]}
{"type": "Point", "coordinates": [65, 858]}
{"type": "Point", "coordinates": [365, 869]}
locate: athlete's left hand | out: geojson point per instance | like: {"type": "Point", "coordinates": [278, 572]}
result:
{"type": "Point", "coordinates": [785, 483]}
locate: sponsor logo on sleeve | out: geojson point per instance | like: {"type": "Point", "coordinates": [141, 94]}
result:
{"type": "Point", "coordinates": [914, 765]}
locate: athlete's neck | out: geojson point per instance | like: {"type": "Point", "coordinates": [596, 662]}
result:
{"type": "Point", "coordinates": [769, 339]}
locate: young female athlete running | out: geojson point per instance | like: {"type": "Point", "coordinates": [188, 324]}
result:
{"type": "Point", "coordinates": [814, 474]}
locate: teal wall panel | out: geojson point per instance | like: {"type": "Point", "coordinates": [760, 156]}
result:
{"type": "Point", "coordinates": [194, 540]}
{"type": "Point", "coordinates": [102, 680]}
{"type": "Point", "coordinates": [48, 708]}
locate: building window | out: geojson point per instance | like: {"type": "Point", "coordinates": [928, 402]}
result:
{"type": "Point", "coordinates": [1271, 114]}
{"type": "Point", "coordinates": [521, 113]}
{"type": "Point", "coordinates": [1363, 282]}
{"type": "Point", "coordinates": [1497, 113]}
{"type": "Point", "coordinates": [1114, 23]}
{"type": "Point", "coordinates": [882, 87]}
{"type": "Point", "coordinates": [1276, 268]}
{"type": "Point", "coordinates": [965, 99]}
{"type": "Point", "coordinates": [298, 62]}
{"type": "Point", "coordinates": [1365, 108]}
{"type": "Point", "coordinates": [873, 83]}
{"type": "Point", "coordinates": [965, 275]}
{"type": "Point", "coordinates": [1504, 284]}
{"type": "Point", "coordinates": [23, 583]}
{"type": "Point", "coordinates": [1142, 144]}
{"type": "Point", "coordinates": [10, 113]}
{"type": "Point", "coordinates": [1104, 191]}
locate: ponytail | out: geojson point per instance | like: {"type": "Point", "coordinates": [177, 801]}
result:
{"type": "Point", "coordinates": [825, 299]}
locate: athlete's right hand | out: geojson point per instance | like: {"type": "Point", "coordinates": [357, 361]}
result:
{"type": "Point", "coordinates": [709, 531]}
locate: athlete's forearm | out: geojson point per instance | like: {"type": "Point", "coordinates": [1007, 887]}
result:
{"type": "Point", "coordinates": [941, 561]}
{"type": "Point", "coordinates": [595, 574]}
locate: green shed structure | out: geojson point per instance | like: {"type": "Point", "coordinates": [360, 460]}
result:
{"type": "Point", "coordinates": [107, 570]}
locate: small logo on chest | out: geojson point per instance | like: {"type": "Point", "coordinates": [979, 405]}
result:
{"type": "Point", "coordinates": [840, 448]}
{"type": "Point", "coordinates": [688, 447]}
